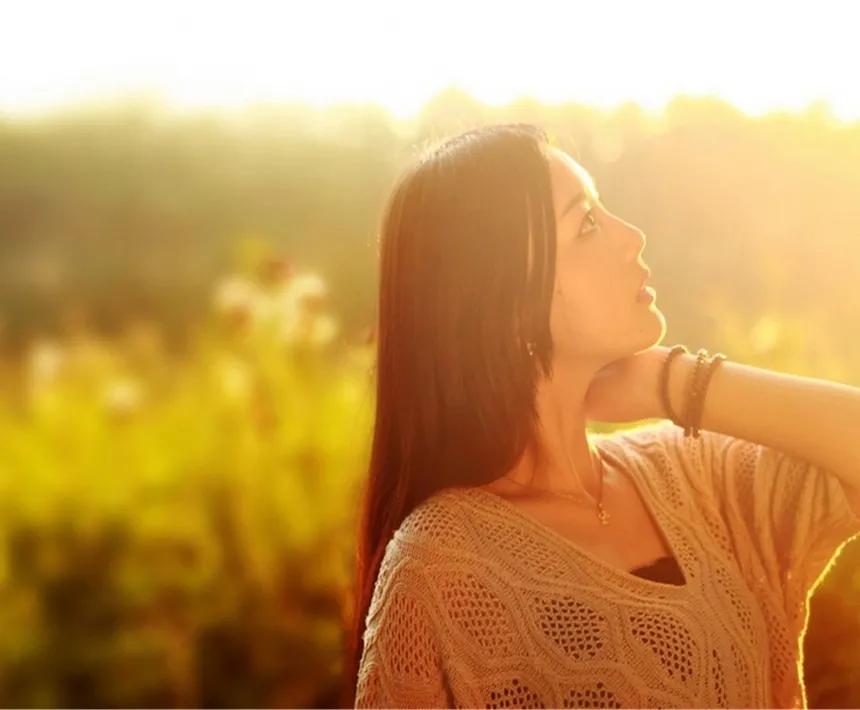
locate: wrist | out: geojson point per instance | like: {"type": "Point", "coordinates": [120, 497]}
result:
{"type": "Point", "coordinates": [680, 370]}
{"type": "Point", "coordinates": [651, 402]}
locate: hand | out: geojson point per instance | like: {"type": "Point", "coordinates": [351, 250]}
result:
{"type": "Point", "coordinates": [626, 390]}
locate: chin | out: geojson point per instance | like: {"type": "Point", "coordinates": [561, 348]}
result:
{"type": "Point", "coordinates": [651, 329]}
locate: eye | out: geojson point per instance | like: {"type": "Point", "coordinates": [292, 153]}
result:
{"type": "Point", "coordinates": [589, 223]}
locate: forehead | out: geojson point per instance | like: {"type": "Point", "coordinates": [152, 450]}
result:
{"type": "Point", "coordinates": [568, 177]}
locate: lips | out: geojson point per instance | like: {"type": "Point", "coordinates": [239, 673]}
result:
{"type": "Point", "coordinates": [645, 276]}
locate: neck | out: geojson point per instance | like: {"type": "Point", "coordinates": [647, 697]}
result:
{"type": "Point", "coordinates": [553, 472]}
{"type": "Point", "coordinates": [562, 459]}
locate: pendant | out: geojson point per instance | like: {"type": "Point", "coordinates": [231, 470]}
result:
{"type": "Point", "coordinates": [603, 515]}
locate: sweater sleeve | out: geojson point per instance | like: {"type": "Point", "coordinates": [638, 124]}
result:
{"type": "Point", "coordinates": [785, 519]}
{"type": "Point", "coordinates": [401, 664]}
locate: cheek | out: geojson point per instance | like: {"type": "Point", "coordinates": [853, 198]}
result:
{"type": "Point", "coordinates": [591, 303]}
{"type": "Point", "coordinates": [592, 296]}
{"type": "Point", "coordinates": [591, 281]}
{"type": "Point", "coordinates": [583, 303]}
{"type": "Point", "coordinates": [584, 289]}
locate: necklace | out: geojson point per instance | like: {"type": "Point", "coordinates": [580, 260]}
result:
{"type": "Point", "coordinates": [602, 515]}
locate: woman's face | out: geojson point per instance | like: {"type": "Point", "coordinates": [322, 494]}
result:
{"type": "Point", "coordinates": [595, 311]}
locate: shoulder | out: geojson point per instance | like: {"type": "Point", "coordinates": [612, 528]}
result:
{"type": "Point", "coordinates": [436, 547]}
{"type": "Point", "coordinates": [663, 444]}
{"type": "Point", "coordinates": [669, 464]}
{"type": "Point", "coordinates": [647, 444]}
{"type": "Point", "coordinates": [437, 529]}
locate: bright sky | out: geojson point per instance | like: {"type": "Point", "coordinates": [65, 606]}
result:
{"type": "Point", "coordinates": [758, 55]}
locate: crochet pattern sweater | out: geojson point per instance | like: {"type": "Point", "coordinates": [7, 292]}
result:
{"type": "Point", "coordinates": [477, 604]}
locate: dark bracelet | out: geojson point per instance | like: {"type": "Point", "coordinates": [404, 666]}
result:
{"type": "Point", "coordinates": [664, 382]}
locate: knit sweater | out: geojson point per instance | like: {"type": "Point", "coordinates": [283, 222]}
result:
{"type": "Point", "coordinates": [478, 604]}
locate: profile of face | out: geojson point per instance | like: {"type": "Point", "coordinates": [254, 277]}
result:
{"type": "Point", "coordinates": [596, 314]}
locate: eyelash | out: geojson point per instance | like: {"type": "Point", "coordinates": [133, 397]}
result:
{"type": "Point", "coordinates": [593, 225]}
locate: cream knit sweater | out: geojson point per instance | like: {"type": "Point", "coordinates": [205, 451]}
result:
{"type": "Point", "coordinates": [477, 604]}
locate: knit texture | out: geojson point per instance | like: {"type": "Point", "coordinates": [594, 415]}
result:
{"type": "Point", "coordinates": [477, 604]}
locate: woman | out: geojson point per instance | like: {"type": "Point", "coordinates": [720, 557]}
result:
{"type": "Point", "coordinates": [508, 557]}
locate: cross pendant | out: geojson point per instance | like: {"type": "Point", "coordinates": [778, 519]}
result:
{"type": "Point", "coordinates": [603, 515]}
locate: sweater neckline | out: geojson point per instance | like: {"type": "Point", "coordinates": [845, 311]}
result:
{"type": "Point", "coordinates": [618, 572]}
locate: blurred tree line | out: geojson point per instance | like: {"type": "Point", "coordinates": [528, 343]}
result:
{"type": "Point", "coordinates": [128, 210]}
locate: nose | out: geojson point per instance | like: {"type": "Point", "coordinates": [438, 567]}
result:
{"type": "Point", "coordinates": [636, 242]}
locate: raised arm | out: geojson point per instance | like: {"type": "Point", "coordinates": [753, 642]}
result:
{"type": "Point", "coordinates": [812, 419]}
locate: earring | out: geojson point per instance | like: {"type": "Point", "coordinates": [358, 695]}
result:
{"type": "Point", "coordinates": [530, 346]}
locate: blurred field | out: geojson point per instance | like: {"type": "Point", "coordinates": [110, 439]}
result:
{"type": "Point", "coordinates": [186, 380]}
{"type": "Point", "coordinates": [175, 531]}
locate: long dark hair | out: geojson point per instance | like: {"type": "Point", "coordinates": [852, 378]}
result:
{"type": "Point", "coordinates": [455, 385]}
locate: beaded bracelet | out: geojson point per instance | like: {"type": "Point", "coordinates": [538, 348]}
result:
{"type": "Point", "coordinates": [697, 384]}
{"type": "Point", "coordinates": [693, 389]}
{"type": "Point", "coordinates": [697, 406]}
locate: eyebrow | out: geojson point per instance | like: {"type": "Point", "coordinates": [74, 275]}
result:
{"type": "Point", "coordinates": [574, 201]}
